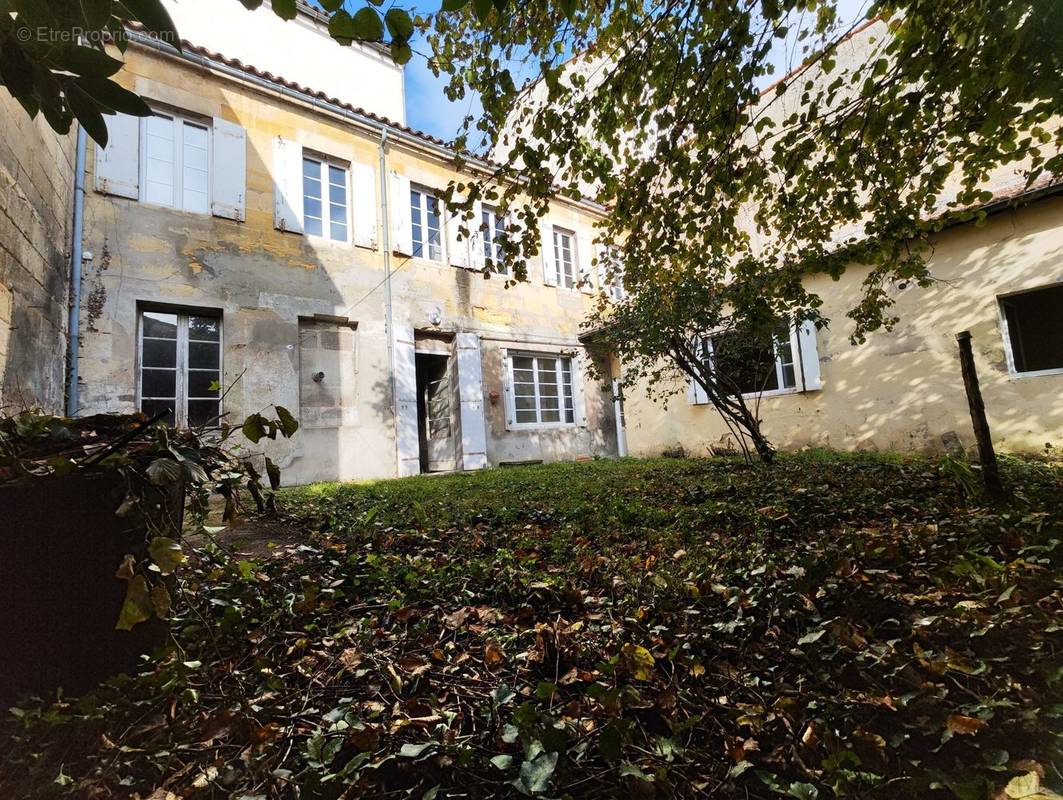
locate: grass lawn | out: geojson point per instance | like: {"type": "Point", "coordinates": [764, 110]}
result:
{"type": "Point", "coordinates": [829, 627]}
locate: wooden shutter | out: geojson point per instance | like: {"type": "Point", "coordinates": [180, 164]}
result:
{"type": "Point", "coordinates": [579, 394]}
{"type": "Point", "coordinates": [406, 434]}
{"type": "Point", "coordinates": [399, 208]}
{"type": "Point", "coordinates": [471, 396]}
{"type": "Point", "coordinates": [476, 237]}
{"type": "Point", "coordinates": [287, 185]}
{"type": "Point", "coordinates": [807, 357]}
{"type": "Point", "coordinates": [546, 230]}
{"type": "Point", "coordinates": [118, 165]}
{"type": "Point", "coordinates": [696, 394]}
{"type": "Point", "coordinates": [457, 245]}
{"type": "Point", "coordinates": [584, 257]}
{"type": "Point", "coordinates": [364, 204]}
{"type": "Point", "coordinates": [229, 182]}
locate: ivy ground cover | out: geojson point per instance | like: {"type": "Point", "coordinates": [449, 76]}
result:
{"type": "Point", "coordinates": [828, 627]}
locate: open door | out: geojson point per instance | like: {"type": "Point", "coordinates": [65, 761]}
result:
{"type": "Point", "coordinates": [437, 412]}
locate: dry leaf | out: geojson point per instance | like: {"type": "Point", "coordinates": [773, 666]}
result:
{"type": "Point", "coordinates": [957, 723]}
{"type": "Point", "coordinates": [493, 654]}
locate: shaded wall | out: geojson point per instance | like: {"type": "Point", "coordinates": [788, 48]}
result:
{"type": "Point", "coordinates": [36, 202]}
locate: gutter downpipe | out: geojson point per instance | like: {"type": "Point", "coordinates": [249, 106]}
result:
{"type": "Point", "coordinates": [74, 323]}
{"type": "Point", "coordinates": [389, 331]}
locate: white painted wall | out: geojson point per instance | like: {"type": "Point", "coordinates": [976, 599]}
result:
{"type": "Point", "coordinates": [299, 50]}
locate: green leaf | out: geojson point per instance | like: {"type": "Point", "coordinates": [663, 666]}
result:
{"type": "Point", "coordinates": [96, 12]}
{"type": "Point", "coordinates": [399, 24]}
{"type": "Point", "coordinates": [288, 423]}
{"type": "Point", "coordinates": [164, 472]}
{"type": "Point", "coordinates": [809, 638]}
{"type": "Point", "coordinates": [254, 428]}
{"type": "Point", "coordinates": [803, 791]}
{"type": "Point", "coordinates": [331, 5]}
{"type": "Point", "coordinates": [166, 553]}
{"type": "Point", "coordinates": [85, 61]}
{"type": "Point", "coordinates": [368, 27]}
{"type": "Point", "coordinates": [629, 770]}
{"type": "Point", "coordinates": [401, 53]}
{"type": "Point", "coordinates": [638, 661]}
{"type": "Point", "coordinates": [137, 606]}
{"type": "Point", "coordinates": [154, 16]}
{"type": "Point", "coordinates": [502, 761]}
{"type": "Point", "coordinates": [411, 750]}
{"type": "Point", "coordinates": [115, 97]}
{"type": "Point", "coordinates": [482, 9]}
{"type": "Point", "coordinates": [285, 9]}
{"type": "Point", "coordinates": [88, 114]}
{"type": "Point", "coordinates": [341, 27]}
{"type": "Point", "coordinates": [535, 775]}
{"type": "Point", "coordinates": [454, 5]}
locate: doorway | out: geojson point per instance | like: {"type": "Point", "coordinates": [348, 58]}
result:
{"type": "Point", "coordinates": [437, 412]}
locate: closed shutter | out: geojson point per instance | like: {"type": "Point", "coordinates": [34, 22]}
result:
{"type": "Point", "coordinates": [407, 442]}
{"type": "Point", "coordinates": [399, 207]}
{"type": "Point", "coordinates": [364, 204]}
{"type": "Point", "coordinates": [118, 165]}
{"type": "Point", "coordinates": [229, 145]}
{"type": "Point", "coordinates": [470, 394]}
{"type": "Point", "coordinates": [507, 388]}
{"type": "Point", "coordinates": [287, 185]}
{"type": "Point", "coordinates": [579, 394]}
{"type": "Point", "coordinates": [584, 257]}
{"type": "Point", "coordinates": [808, 357]}
{"type": "Point", "coordinates": [696, 394]}
{"type": "Point", "coordinates": [476, 237]}
{"type": "Point", "coordinates": [546, 230]}
{"type": "Point", "coordinates": [457, 245]}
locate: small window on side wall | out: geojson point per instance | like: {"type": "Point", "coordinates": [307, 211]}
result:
{"type": "Point", "coordinates": [1033, 330]}
{"type": "Point", "coordinates": [179, 354]}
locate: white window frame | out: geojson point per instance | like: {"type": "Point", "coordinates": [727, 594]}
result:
{"type": "Point", "coordinates": [422, 222]}
{"type": "Point", "coordinates": [794, 363]}
{"type": "Point", "coordinates": [563, 401]}
{"type": "Point", "coordinates": [324, 162]}
{"type": "Point", "coordinates": [1005, 333]}
{"type": "Point", "coordinates": [181, 368]}
{"type": "Point", "coordinates": [179, 122]}
{"type": "Point", "coordinates": [489, 227]}
{"type": "Point", "coordinates": [573, 283]}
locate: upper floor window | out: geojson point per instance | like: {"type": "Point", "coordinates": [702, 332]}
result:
{"type": "Point", "coordinates": [425, 224]}
{"type": "Point", "coordinates": [180, 367]}
{"type": "Point", "coordinates": [176, 163]}
{"type": "Point", "coordinates": [752, 365]}
{"type": "Point", "coordinates": [565, 257]}
{"type": "Point", "coordinates": [1033, 330]}
{"type": "Point", "coordinates": [542, 389]}
{"type": "Point", "coordinates": [325, 199]}
{"type": "Point", "coordinates": [493, 227]}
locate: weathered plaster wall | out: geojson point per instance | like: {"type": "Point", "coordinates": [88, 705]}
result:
{"type": "Point", "coordinates": [263, 280]}
{"type": "Point", "coordinates": [36, 191]}
{"type": "Point", "coordinates": [902, 390]}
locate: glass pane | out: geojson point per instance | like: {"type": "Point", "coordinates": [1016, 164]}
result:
{"type": "Point", "coordinates": [159, 353]}
{"type": "Point", "coordinates": [551, 415]}
{"type": "Point", "coordinates": [203, 355]}
{"type": "Point", "coordinates": [200, 382]}
{"type": "Point", "coordinates": [311, 188]}
{"type": "Point", "coordinates": [158, 383]}
{"type": "Point", "coordinates": [152, 407]}
{"type": "Point", "coordinates": [339, 232]}
{"type": "Point", "coordinates": [202, 412]}
{"type": "Point", "coordinates": [526, 416]}
{"type": "Point", "coordinates": [204, 329]}
{"type": "Point", "coordinates": [311, 208]}
{"type": "Point", "coordinates": [524, 403]}
{"type": "Point", "coordinates": [337, 194]}
{"type": "Point", "coordinates": [337, 176]}
{"type": "Point", "coordinates": [161, 326]}
{"type": "Point", "coordinates": [312, 226]}
{"type": "Point", "coordinates": [789, 379]}
{"type": "Point", "coordinates": [338, 213]}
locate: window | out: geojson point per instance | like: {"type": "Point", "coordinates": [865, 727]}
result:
{"type": "Point", "coordinates": [176, 163]}
{"type": "Point", "coordinates": [565, 257]}
{"type": "Point", "coordinates": [493, 229]}
{"type": "Point", "coordinates": [610, 274]}
{"type": "Point", "coordinates": [424, 219]}
{"type": "Point", "coordinates": [324, 199]}
{"type": "Point", "coordinates": [542, 389]}
{"type": "Point", "coordinates": [752, 365]}
{"type": "Point", "coordinates": [1033, 330]}
{"type": "Point", "coordinates": [180, 367]}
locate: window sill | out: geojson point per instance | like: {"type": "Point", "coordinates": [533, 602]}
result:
{"type": "Point", "coordinates": [541, 426]}
{"type": "Point", "coordinates": [1040, 373]}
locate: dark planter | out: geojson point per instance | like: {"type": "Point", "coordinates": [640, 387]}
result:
{"type": "Point", "coordinates": [60, 546]}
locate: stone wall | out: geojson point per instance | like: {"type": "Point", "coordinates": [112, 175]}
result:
{"type": "Point", "coordinates": [36, 202]}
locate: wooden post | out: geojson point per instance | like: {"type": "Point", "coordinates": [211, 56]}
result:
{"type": "Point", "coordinates": [986, 454]}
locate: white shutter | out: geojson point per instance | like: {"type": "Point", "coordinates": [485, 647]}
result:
{"type": "Point", "coordinates": [696, 394]}
{"type": "Point", "coordinates": [549, 265]}
{"type": "Point", "coordinates": [287, 185]}
{"type": "Point", "coordinates": [407, 441]}
{"type": "Point", "coordinates": [399, 207]}
{"type": "Point", "coordinates": [457, 246]}
{"type": "Point", "coordinates": [471, 397]}
{"type": "Point", "coordinates": [584, 253]}
{"type": "Point", "coordinates": [476, 240]}
{"type": "Point", "coordinates": [507, 389]}
{"type": "Point", "coordinates": [579, 395]}
{"type": "Point", "coordinates": [229, 145]}
{"type": "Point", "coordinates": [603, 268]}
{"type": "Point", "coordinates": [808, 357]}
{"type": "Point", "coordinates": [118, 166]}
{"type": "Point", "coordinates": [364, 204]}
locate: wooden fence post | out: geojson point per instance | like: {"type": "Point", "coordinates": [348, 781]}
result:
{"type": "Point", "coordinates": [986, 454]}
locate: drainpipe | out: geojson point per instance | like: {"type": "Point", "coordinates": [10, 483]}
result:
{"type": "Point", "coordinates": [73, 333]}
{"type": "Point", "coordinates": [385, 239]}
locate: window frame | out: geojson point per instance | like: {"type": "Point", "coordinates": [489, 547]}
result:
{"type": "Point", "coordinates": [556, 231]}
{"type": "Point", "coordinates": [708, 350]}
{"type": "Point", "coordinates": [1005, 334]}
{"type": "Point", "coordinates": [324, 162]}
{"type": "Point", "coordinates": [491, 242]}
{"type": "Point", "coordinates": [565, 402]}
{"type": "Point", "coordinates": [181, 367]}
{"type": "Point", "coordinates": [178, 176]}
{"type": "Point", "coordinates": [422, 223]}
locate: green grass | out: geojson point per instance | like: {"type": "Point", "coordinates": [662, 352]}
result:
{"type": "Point", "coordinates": [833, 626]}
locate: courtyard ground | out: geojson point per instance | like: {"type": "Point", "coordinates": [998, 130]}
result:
{"type": "Point", "coordinates": [832, 626]}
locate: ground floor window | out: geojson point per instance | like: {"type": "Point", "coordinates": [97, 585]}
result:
{"type": "Point", "coordinates": [180, 366]}
{"type": "Point", "coordinates": [542, 389]}
{"type": "Point", "coordinates": [1033, 330]}
{"type": "Point", "coordinates": [753, 365]}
